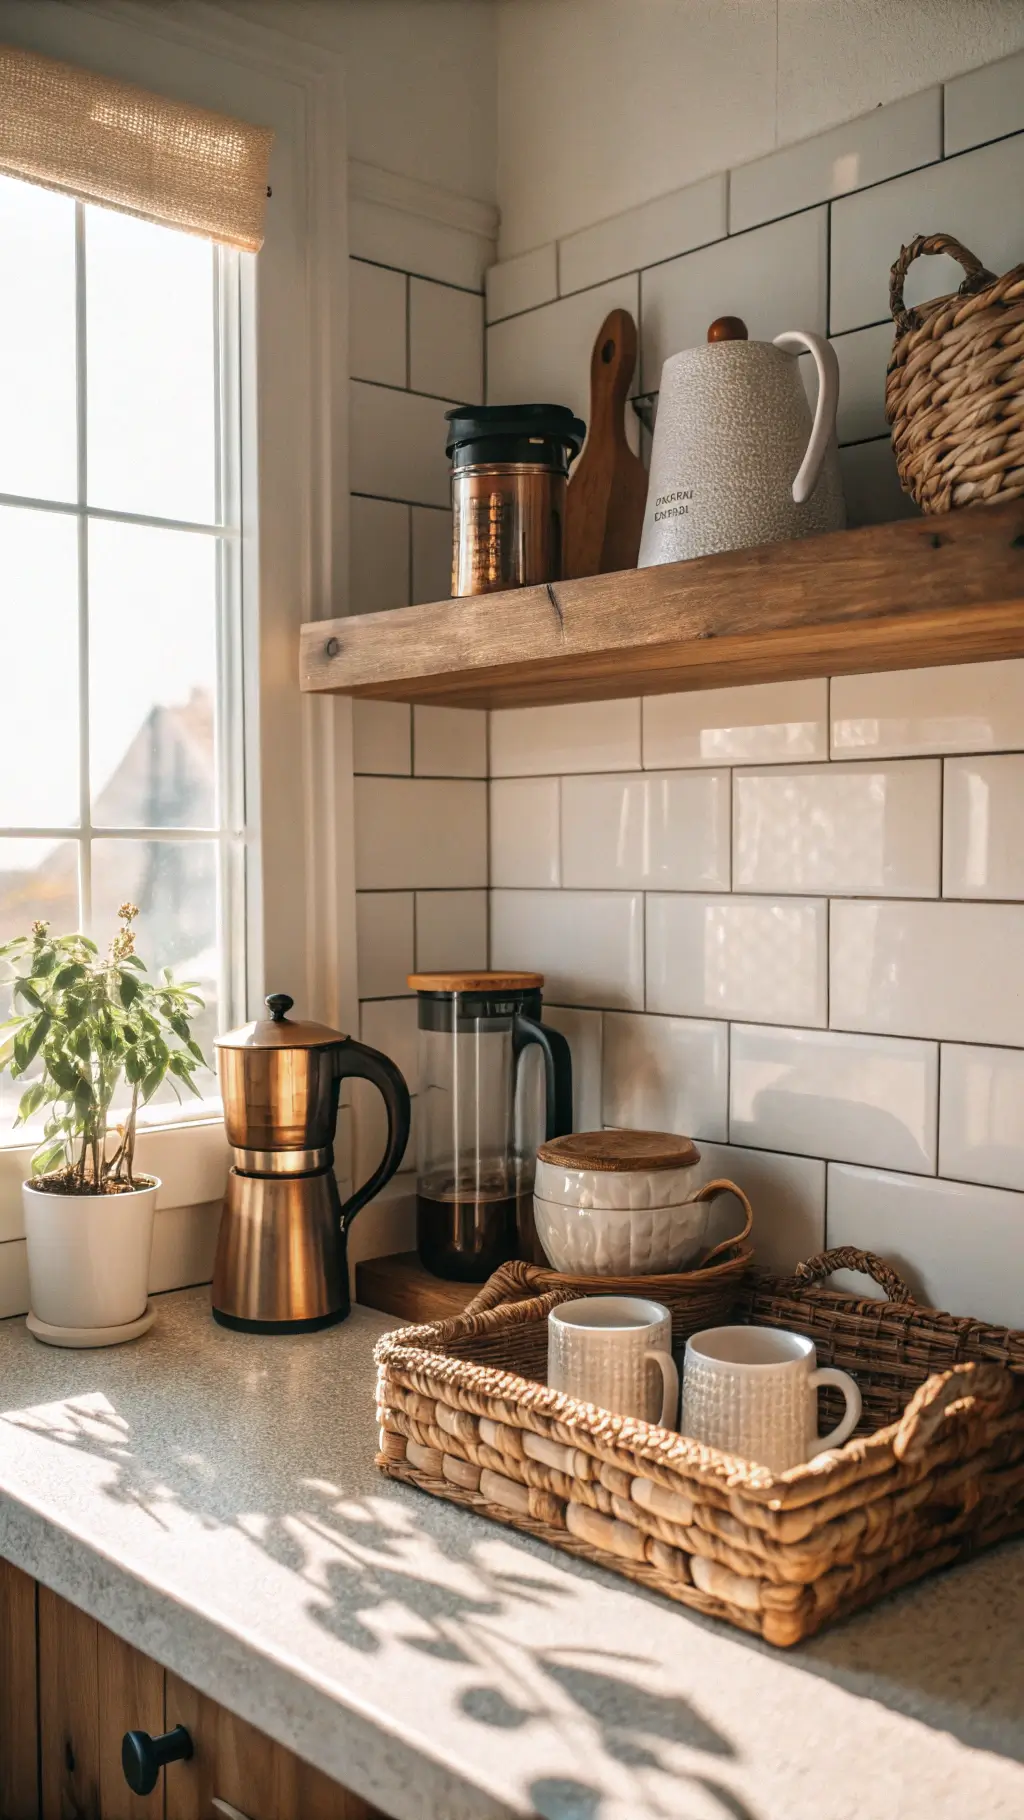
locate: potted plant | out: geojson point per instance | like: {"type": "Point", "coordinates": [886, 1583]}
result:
{"type": "Point", "coordinates": [91, 1020]}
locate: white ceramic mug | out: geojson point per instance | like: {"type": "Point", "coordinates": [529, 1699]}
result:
{"type": "Point", "coordinates": [615, 1351]}
{"type": "Point", "coordinates": [752, 1392]}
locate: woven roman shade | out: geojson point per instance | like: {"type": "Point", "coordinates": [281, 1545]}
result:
{"type": "Point", "coordinates": [108, 142]}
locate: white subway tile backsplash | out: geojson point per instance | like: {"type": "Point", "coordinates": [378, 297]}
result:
{"type": "Point", "coordinates": [583, 1031]}
{"type": "Point", "coordinates": [774, 277]}
{"type": "Point", "coordinates": [871, 485]}
{"type": "Point", "coordinates": [420, 831]}
{"type": "Point", "coordinates": [641, 236]}
{"type": "Point", "coordinates": [522, 283]}
{"type": "Point", "coordinates": [389, 1025]}
{"type": "Point", "coordinates": [954, 971]}
{"type": "Point", "coordinates": [863, 356]}
{"type": "Point", "coordinates": [666, 1074]}
{"type": "Point", "coordinates": [546, 353]}
{"type": "Point", "coordinates": [983, 827]}
{"type": "Point", "coordinates": [387, 1223]}
{"type": "Point", "coordinates": [396, 445]}
{"type": "Point", "coordinates": [860, 830]}
{"type": "Point", "coordinates": [384, 942]}
{"type": "Point", "coordinates": [446, 341]}
{"type": "Point", "coordinates": [860, 1099]}
{"type": "Point", "coordinates": [417, 243]}
{"type": "Point", "coordinates": [525, 832]}
{"type": "Point", "coordinates": [376, 323]}
{"type": "Point", "coordinates": [965, 196]}
{"type": "Point", "coordinates": [378, 555]}
{"type": "Point", "coordinates": [431, 554]}
{"type": "Point", "coordinates": [787, 1194]}
{"type": "Point", "coordinates": [960, 1248]}
{"type": "Point", "coordinates": [381, 739]}
{"type": "Point", "coordinates": [667, 830]}
{"type": "Point", "coordinates": [956, 708]}
{"type": "Point", "coordinates": [589, 945]}
{"type": "Point", "coordinates": [762, 723]}
{"type": "Point", "coordinates": [449, 742]}
{"type": "Point", "coordinates": [985, 104]}
{"type": "Point", "coordinates": [759, 959]}
{"type": "Point", "coordinates": [451, 931]}
{"type": "Point", "coordinates": [981, 1115]}
{"type": "Point", "coordinates": [581, 736]}
{"type": "Point", "coordinates": [867, 150]}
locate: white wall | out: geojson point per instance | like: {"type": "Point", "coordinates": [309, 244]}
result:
{"type": "Point", "coordinates": [421, 81]}
{"type": "Point", "coordinates": [603, 104]}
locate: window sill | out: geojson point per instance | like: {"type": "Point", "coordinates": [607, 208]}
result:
{"type": "Point", "coordinates": [189, 1157]}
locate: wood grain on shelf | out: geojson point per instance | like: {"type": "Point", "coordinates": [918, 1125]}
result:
{"type": "Point", "coordinates": [19, 1762]}
{"type": "Point", "coordinates": [925, 591]}
{"type": "Point", "coordinates": [399, 1285]}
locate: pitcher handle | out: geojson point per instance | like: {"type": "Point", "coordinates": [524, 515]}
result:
{"type": "Point", "coordinates": [557, 1072]}
{"type": "Point", "coordinates": [799, 341]}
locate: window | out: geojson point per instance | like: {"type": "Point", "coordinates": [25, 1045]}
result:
{"type": "Point", "coordinates": [121, 733]}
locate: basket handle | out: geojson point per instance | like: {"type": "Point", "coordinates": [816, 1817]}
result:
{"type": "Point", "coordinates": [972, 1388]}
{"type": "Point", "coordinates": [976, 277]}
{"type": "Point", "coordinates": [847, 1257]}
{"type": "Point", "coordinates": [707, 1193]}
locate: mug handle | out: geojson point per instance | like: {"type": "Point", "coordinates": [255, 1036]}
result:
{"type": "Point", "coordinates": [670, 1386]}
{"type": "Point", "coordinates": [796, 341]}
{"type": "Point", "coordinates": [844, 1428]}
{"type": "Point", "coordinates": [707, 1193]}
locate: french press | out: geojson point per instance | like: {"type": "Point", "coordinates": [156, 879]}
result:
{"type": "Point", "coordinates": [478, 1123]}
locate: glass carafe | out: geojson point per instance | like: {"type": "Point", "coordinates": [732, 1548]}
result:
{"type": "Point", "coordinates": [478, 1124]}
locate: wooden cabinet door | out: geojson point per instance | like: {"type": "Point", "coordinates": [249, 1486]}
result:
{"type": "Point", "coordinates": [92, 1689]}
{"type": "Point", "coordinates": [239, 1764]}
{"type": "Point", "coordinates": [19, 1763]}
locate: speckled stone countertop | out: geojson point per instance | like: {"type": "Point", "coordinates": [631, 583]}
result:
{"type": "Point", "coordinates": [212, 1497]}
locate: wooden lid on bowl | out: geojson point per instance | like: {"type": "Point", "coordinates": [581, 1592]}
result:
{"type": "Point", "coordinates": [475, 982]}
{"type": "Point", "coordinates": [620, 1150]}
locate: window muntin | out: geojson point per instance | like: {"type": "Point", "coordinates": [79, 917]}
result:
{"type": "Point", "coordinates": [121, 764]}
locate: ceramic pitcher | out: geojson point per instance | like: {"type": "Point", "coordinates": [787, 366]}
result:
{"type": "Point", "coordinates": [737, 459]}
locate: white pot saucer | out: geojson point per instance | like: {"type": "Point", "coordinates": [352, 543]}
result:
{"type": "Point", "coordinates": [90, 1336]}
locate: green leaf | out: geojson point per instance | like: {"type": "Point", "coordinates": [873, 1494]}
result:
{"type": "Point", "coordinates": [129, 990]}
{"type": "Point", "coordinates": [46, 1158]}
{"type": "Point", "coordinates": [44, 962]}
{"type": "Point", "coordinates": [84, 1098]}
{"type": "Point", "coordinates": [180, 1065]}
{"type": "Point", "coordinates": [194, 1050]}
{"type": "Point", "coordinates": [68, 975]}
{"type": "Point", "coordinates": [134, 1067]}
{"type": "Point", "coordinates": [153, 1080]}
{"type": "Point", "coordinates": [24, 989]}
{"type": "Point", "coordinates": [30, 1101]}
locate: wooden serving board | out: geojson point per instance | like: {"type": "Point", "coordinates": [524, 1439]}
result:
{"type": "Point", "coordinates": [604, 506]}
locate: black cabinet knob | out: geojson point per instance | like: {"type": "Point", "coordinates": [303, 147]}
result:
{"type": "Point", "coordinates": [143, 1757]}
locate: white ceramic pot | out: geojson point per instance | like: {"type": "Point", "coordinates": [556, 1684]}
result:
{"type": "Point", "coordinates": [736, 459]}
{"type": "Point", "coordinates": [620, 1241]}
{"type": "Point", "coordinates": [89, 1255]}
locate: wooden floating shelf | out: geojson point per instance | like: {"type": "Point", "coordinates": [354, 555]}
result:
{"type": "Point", "coordinates": [887, 597]}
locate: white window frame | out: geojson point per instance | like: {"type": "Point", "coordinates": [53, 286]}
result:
{"type": "Point", "coordinates": [299, 885]}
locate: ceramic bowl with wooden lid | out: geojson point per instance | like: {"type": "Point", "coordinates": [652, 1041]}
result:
{"type": "Point", "coordinates": [621, 1203]}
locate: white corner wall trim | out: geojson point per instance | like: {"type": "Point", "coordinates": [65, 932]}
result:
{"type": "Point", "coordinates": [389, 189]}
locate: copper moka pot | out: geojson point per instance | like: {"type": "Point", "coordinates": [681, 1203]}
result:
{"type": "Point", "coordinates": [281, 1264]}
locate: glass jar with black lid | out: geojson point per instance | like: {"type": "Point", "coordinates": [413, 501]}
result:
{"type": "Point", "coordinates": [510, 464]}
{"type": "Point", "coordinates": [478, 1124]}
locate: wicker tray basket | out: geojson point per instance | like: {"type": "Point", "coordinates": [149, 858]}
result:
{"type": "Point", "coordinates": [465, 1414]}
{"type": "Point", "coordinates": [954, 391]}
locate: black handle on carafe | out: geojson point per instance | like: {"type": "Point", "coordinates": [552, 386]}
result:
{"type": "Point", "coordinates": [557, 1072]}
{"type": "Point", "coordinates": [370, 1065]}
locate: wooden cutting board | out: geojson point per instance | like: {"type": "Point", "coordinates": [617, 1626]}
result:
{"type": "Point", "coordinates": [604, 507]}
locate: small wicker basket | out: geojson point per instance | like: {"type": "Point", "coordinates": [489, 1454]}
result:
{"type": "Point", "coordinates": [954, 390]}
{"type": "Point", "coordinates": [465, 1414]}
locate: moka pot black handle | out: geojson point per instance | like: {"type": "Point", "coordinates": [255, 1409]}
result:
{"type": "Point", "coordinates": [359, 1059]}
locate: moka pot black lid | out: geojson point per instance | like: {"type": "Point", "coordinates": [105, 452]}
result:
{"type": "Point", "coordinates": [544, 435]}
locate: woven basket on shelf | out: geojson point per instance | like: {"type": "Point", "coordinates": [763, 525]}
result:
{"type": "Point", "coordinates": [465, 1414]}
{"type": "Point", "coordinates": [954, 390]}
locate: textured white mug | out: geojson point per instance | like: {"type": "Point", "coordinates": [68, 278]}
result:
{"type": "Point", "coordinates": [615, 1351]}
{"type": "Point", "coordinates": [753, 1392]}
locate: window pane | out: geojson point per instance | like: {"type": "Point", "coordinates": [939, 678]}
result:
{"type": "Point", "coordinates": [152, 676]}
{"type": "Point", "coordinates": [37, 342]}
{"type": "Point", "coordinates": [151, 368]}
{"type": "Point", "coordinates": [174, 884]}
{"type": "Point", "coordinates": [38, 878]}
{"type": "Point", "coordinates": [39, 617]}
